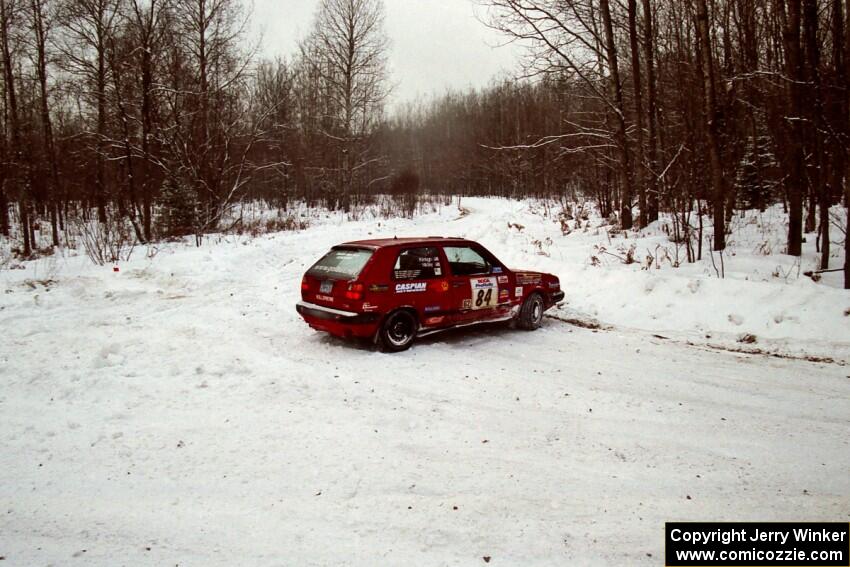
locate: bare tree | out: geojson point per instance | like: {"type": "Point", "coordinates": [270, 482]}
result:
{"type": "Point", "coordinates": [40, 25]}
{"type": "Point", "coordinates": [616, 88]}
{"type": "Point", "coordinates": [21, 166]}
{"type": "Point", "coordinates": [845, 77]}
{"type": "Point", "coordinates": [89, 27]}
{"type": "Point", "coordinates": [564, 38]}
{"type": "Point", "coordinates": [209, 73]}
{"type": "Point", "coordinates": [712, 125]}
{"type": "Point", "coordinates": [794, 69]}
{"type": "Point", "coordinates": [148, 27]}
{"type": "Point", "coordinates": [640, 176]}
{"type": "Point", "coordinates": [652, 111]}
{"type": "Point", "coordinates": [349, 39]}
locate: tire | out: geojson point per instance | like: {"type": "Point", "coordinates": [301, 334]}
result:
{"type": "Point", "coordinates": [398, 331]}
{"type": "Point", "coordinates": [531, 313]}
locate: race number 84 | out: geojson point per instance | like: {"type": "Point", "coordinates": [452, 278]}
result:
{"type": "Point", "coordinates": [483, 299]}
{"type": "Point", "coordinates": [484, 292]}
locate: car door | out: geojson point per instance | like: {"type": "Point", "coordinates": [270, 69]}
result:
{"type": "Point", "coordinates": [474, 283]}
{"type": "Point", "coordinates": [419, 281]}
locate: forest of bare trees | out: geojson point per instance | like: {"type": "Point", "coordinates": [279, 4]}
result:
{"type": "Point", "coordinates": [160, 116]}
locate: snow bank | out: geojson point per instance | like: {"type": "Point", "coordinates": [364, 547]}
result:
{"type": "Point", "coordinates": [762, 294]}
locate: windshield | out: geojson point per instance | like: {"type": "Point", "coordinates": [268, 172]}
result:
{"type": "Point", "coordinates": [341, 263]}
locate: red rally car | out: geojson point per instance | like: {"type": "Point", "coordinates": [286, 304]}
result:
{"type": "Point", "coordinates": [395, 289]}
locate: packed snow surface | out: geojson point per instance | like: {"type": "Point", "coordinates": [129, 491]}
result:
{"type": "Point", "coordinates": [178, 411]}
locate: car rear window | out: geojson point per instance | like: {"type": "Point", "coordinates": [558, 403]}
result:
{"type": "Point", "coordinates": [417, 264]}
{"type": "Point", "coordinates": [341, 263]}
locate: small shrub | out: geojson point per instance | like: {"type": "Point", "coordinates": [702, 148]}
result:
{"type": "Point", "coordinates": [106, 243]}
{"type": "Point", "coordinates": [628, 254]}
{"type": "Point", "coordinates": [280, 223]}
{"type": "Point", "coordinates": [747, 339]}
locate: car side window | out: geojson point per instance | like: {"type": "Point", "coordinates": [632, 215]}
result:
{"type": "Point", "coordinates": [466, 261]}
{"type": "Point", "coordinates": [418, 264]}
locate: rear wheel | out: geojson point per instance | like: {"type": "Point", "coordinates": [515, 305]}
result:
{"type": "Point", "coordinates": [531, 312]}
{"type": "Point", "coordinates": [398, 331]}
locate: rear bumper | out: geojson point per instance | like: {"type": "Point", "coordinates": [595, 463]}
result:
{"type": "Point", "coordinates": [338, 322]}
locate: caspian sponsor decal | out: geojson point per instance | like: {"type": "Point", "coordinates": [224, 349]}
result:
{"type": "Point", "coordinates": [412, 287]}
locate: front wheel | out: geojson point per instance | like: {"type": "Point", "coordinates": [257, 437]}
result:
{"type": "Point", "coordinates": [398, 331]}
{"type": "Point", "coordinates": [531, 313]}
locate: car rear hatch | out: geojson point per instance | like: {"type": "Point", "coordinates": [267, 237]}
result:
{"type": "Point", "coordinates": [327, 281]}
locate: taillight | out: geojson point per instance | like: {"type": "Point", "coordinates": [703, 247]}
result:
{"type": "Point", "coordinates": [304, 285]}
{"type": "Point", "coordinates": [355, 291]}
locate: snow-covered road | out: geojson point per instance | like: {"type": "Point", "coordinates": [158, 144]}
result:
{"type": "Point", "coordinates": [179, 412]}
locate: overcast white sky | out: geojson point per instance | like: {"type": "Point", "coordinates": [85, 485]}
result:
{"type": "Point", "coordinates": [434, 44]}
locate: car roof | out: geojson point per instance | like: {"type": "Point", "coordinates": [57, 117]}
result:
{"type": "Point", "coordinates": [386, 242]}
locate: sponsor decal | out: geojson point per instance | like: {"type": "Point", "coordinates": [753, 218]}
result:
{"type": "Point", "coordinates": [432, 308]}
{"type": "Point", "coordinates": [327, 298]}
{"type": "Point", "coordinates": [378, 288]}
{"type": "Point", "coordinates": [434, 320]}
{"type": "Point", "coordinates": [444, 286]}
{"type": "Point", "coordinates": [497, 270]}
{"type": "Point", "coordinates": [413, 287]}
{"type": "Point", "coordinates": [518, 291]}
{"type": "Point", "coordinates": [504, 295]}
{"type": "Point", "coordinates": [484, 292]}
{"type": "Point", "coordinates": [406, 274]}
{"type": "Point", "coordinates": [340, 269]}
{"type": "Point", "coordinates": [525, 279]}
{"type": "Point", "coordinates": [438, 271]}
{"type": "Point", "coordinates": [369, 307]}
{"type": "Point", "coordinates": [503, 279]}
{"type": "Point", "coordinates": [483, 283]}
{"type": "Point", "coordinates": [467, 304]}
{"type": "Point", "coordinates": [554, 285]}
